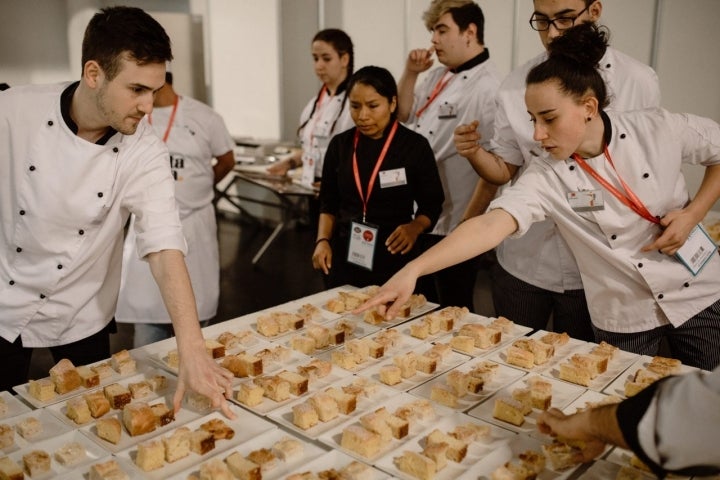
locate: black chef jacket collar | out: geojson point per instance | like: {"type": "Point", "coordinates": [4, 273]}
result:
{"type": "Point", "coordinates": [607, 134]}
{"type": "Point", "coordinates": [476, 60]}
{"type": "Point", "coordinates": [66, 101]}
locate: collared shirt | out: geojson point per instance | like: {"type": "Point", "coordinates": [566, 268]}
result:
{"type": "Point", "coordinates": [542, 257]}
{"type": "Point", "coordinates": [468, 96]}
{"type": "Point", "coordinates": [627, 290]}
{"type": "Point", "coordinates": [63, 204]}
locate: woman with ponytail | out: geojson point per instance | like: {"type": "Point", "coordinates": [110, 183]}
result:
{"type": "Point", "coordinates": [612, 182]}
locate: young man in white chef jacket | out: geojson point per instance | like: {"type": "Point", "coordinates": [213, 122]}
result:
{"type": "Point", "coordinates": [75, 161]}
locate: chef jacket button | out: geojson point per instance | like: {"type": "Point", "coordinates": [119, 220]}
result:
{"type": "Point", "coordinates": [639, 265]}
{"type": "Point", "coordinates": [81, 232]}
{"type": "Point", "coordinates": [430, 132]}
{"type": "Point", "coordinates": [12, 282]}
{"type": "Point", "coordinates": [613, 236]}
{"type": "Point", "coordinates": [646, 175]}
{"type": "Point", "coordinates": [100, 194]}
{"type": "Point", "coordinates": [50, 123]}
{"type": "Point", "coordinates": [18, 249]}
{"type": "Point", "coordinates": [22, 212]}
{"type": "Point", "coordinates": [622, 135]}
{"type": "Point", "coordinates": [115, 149]}
{"type": "Point", "coordinates": [572, 167]}
{"type": "Point", "coordinates": [417, 126]}
{"type": "Point", "coordinates": [42, 296]}
{"type": "Point", "coordinates": [661, 296]}
{"type": "Point", "coordinates": [59, 267]}
{"type": "Point", "coordinates": [686, 284]}
{"type": "Point", "coordinates": [608, 65]}
{"type": "Point", "coordinates": [32, 168]}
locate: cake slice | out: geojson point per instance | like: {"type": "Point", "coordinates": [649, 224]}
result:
{"type": "Point", "coordinates": [509, 410]}
{"type": "Point", "coordinates": [65, 376]}
{"type": "Point", "coordinates": [416, 465]}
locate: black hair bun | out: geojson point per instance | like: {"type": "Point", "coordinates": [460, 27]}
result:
{"type": "Point", "coordinates": [584, 44]}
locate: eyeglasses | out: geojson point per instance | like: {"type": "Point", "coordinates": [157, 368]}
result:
{"type": "Point", "coordinates": [542, 23]}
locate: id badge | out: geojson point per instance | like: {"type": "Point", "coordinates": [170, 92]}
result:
{"type": "Point", "coordinates": [393, 178]}
{"type": "Point", "coordinates": [586, 200]}
{"type": "Point", "coordinates": [697, 250]}
{"type": "Point", "coordinates": [448, 110]}
{"type": "Point", "coordinates": [309, 160]}
{"type": "Point", "coordinates": [361, 250]}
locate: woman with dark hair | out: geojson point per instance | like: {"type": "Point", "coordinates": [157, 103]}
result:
{"type": "Point", "coordinates": [612, 182]}
{"type": "Point", "coordinates": [325, 114]}
{"type": "Point", "coordinates": [380, 188]}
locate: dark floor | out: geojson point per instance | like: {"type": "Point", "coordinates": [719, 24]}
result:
{"type": "Point", "coordinates": [283, 273]}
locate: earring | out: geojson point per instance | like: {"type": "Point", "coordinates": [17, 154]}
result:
{"type": "Point", "coordinates": [588, 119]}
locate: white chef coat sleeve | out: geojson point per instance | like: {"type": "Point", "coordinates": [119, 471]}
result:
{"type": "Point", "coordinates": [221, 141]}
{"type": "Point", "coordinates": [700, 137]}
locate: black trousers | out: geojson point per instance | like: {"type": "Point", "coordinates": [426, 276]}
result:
{"type": "Point", "coordinates": [16, 358]}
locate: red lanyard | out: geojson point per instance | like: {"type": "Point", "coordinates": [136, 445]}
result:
{"type": "Point", "coordinates": [170, 122]}
{"type": "Point", "coordinates": [317, 113]}
{"type": "Point", "coordinates": [436, 91]}
{"type": "Point", "coordinates": [628, 198]}
{"type": "Point", "coordinates": [379, 162]}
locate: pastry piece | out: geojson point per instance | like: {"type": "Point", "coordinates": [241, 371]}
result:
{"type": "Point", "coordinates": [390, 374]}
{"type": "Point", "coordinates": [444, 395]}
{"type": "Point", "coordinates": [97, 403]}
{"type": "Point", "coordinates": [109, 429]}
{"type": "Point", "coordinates": [373, 317]}
{"type": "Point", "coordinates": [298, 383]}
{"type": "Point", "coordinates": [523, 396]}
{"type": "Point", "coordinates": [309, 312]}
{"type": "Point", "coordinates": [215, 469]}
{"type": "Point", "coordinates": [356, 471]}
{"type": "Point", "coordinates": [123, 363]}
{"type": "Point", "coordinates": [335, 305]}
{"type": "Point", "coordinates": [361, 386]}
{"type": "Point", "coordinates": [109, 470]}
{"type": "Point", "coordinates": [250, 394]}
{"type": "Point", "coordinates": [504, 324]}
{"type": "Point", "coordinates": [533, 461]}
{"type": "Point", "coordinates": [463, 343]}
{"type": "Point", "coordinates": [540, 393]}
{"type": "Point", "coordinates": [457, 449]}
{"type": "Point", "coordinates": [29, 427]}
{"type": "Point", "coordinates": [440, 352]}
{"type": "Point", "coordinates": [163, 415]}
{"type": "Point", "coordinates": [214, 348]}
{"type": "Point", "coordinates": [594, 364]}
{"type": "Point", "coordinates": [305, 416]}
{"type": "Point", "coordinates": [520, 357]}
{"type": "Point", "coordinates": [117, 395]}
{"type": "Point", "coordinates": [421, 410]}
{"type": "Point", "coordinates": [65, 376]}
{"type": "Point", "coordinates": [43, 389]}
{"type": "Point", "coordinates": [288, 449]}
{"type": "Point", "coordinates": [88, 377]}
{"type": "Point", "coordinates": [219, 429]}
{"type": "Point", "coordinates": [420, 330]}
{"type": "Point", "coordinates": [201, 441]}
{"type": "Point", "coordinates": [10, 470]}
{"type": "Point", "coordinates": [416, 465]}
{"type": "Point", "coordinates": [275, 388]}
{"type": "Point", "coordinates": [360, 440]}
{"type": "Point", "coordinates": [177, 444]}
{"type": "Point", "coordinates": [375, 349]}
{"type": "Point", "coordinates": [399, 426]}
{"type": "Point", "coordinates": [70, 454]}
{"type": "Point", "coordinates": [268, 326]}
{"type": "Point", "coordinates": [104, 370]}
{"type": "Point", "coordinates": [244, 365]}
{"type": "Point", "coordinates": [198, 402]}
{"type": "Point", "coordinates": [158, 383]}
{"type": "Point", "coordinates": [512, 471]}
{"type": "Point", "coordinates": [407, 363]}
{"type": "Point", "coordinates": [325, 406]}
{"type": "Point", "coordinates": [36, 462]}
{"type": "Point", "coordinates": [575, 374]}
{"type": "Point", "coordinates": [77, 410]}
{"type": "Point", "coordinates": [228, 340]}
{"type": "Point", "coordinates": [288, 321]}
{"type": "Point", "coordinates": [263, 457]}
{"type": "Point", "coordinates": [664, 366]}
{"type": "Point", "coordinates": [7, 436]}
{"type": "Point", "coordinates": [140, 389]}
{"type": "Point", "coordinates": [470, 432]}
{"type": "Point", "coordinates": [304, 344]}
{"type": "Point", "coordinates": [243, 468]}
{"type": "Point", "coordinates": [509, 410]}
{"type": "Point", "coordinates": [464, 382]}
{"type": "Point", "coordinates": [346, 402]}
{"type": "Point", "coordinates": [377, 422]}
{"type": "Point", "coordinates": [150, 455]}
{"type": "Point", "coordinates": [344, 359]}
{"type": "Point", "coordinates": [484, 337]}
{"type": "Point", "coordinates": [138, 418]}
{"type": "Point", "coordinates": [555, 339]}
{"type": "Point", "coordinates": [560, 455]}
{"type": "Point", "coordinates": [438, 453]}
{"type": "Point", "coordinates": [604, 349]}
{"type": "Point", "coordinates": [426, 364]}
{"type": "Point", "coordinates": [173, 358]}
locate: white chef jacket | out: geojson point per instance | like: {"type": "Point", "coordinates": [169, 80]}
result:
{"type": "Point", "coordinates": [469, 95]}
{"type": "Point", "coordinates": [627, 290]}
{"type": "Point", "coordinates": [542, 257]}
{"type": "Point", "coordinates": [318, 130]}
{"type": "Point", "coordinates": [63, 204]}
{"type": "Point", "coordinates": [197, 136]}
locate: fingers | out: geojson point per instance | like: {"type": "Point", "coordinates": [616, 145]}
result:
{"type": "Point", "coordinates": [179, 394]}
{"type": "Point", "coordinates": [379, 301]}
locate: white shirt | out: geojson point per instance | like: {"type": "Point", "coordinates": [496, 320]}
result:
{"type": "Point", "coordinates": [198, 134]}
{"type": "Point", "coordinates": [542, 257]}
{"type": "Point", "coordinates": [63, 204]}
{"type": "Point", "coordinates": [469, 95]}
{"type": "Point", "coordinates": [627, 290]}
{"type": "Point", "coordinates": [318, 130]}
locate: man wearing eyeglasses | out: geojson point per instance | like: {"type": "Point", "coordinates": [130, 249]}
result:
{"type": "Point", "coordinates": [536, 276]}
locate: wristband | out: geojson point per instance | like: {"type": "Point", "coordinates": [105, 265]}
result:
{"type": "Point", "coordinates": [321, 240]}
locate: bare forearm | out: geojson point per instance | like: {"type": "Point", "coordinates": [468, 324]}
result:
{"type": "Point", "coordinates": [326, 224]}
{"type": "Point", "coordinates": [406, 92]}
{"type": "Point", "coordinates": [225, 164]}
{"type": "Point", "coordinates": [707, 194]}
{"type": "Point", "coordinates": [483, 194]}
{"type": "Point", "coordinates": [491, 167]}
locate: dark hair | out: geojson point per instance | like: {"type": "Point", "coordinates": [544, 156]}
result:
{"type": "Point", "coordinates": [168, 77]}
{"type": "Point", "coordinates": [342, 44]}
{"type": "Point", "coordinates": [115, 31]}
{"type": "Point", "coordinates": [380, 79]}
{"type": "Point", "coordinates": [463, 12]}
{"type": "Point", "coordinates": [573, 60]}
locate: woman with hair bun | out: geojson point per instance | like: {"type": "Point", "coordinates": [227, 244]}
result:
{"type": "Point", "coordinates": [612, 182]}
{"type": "Point", "coordinates": [380, 190]}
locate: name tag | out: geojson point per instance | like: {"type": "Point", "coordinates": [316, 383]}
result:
{"type": "Point", "coordinates": [361, 250]}
{"type": "Point", "coordinates": [448, 110]}
{"type": "Point", "coordinates": [309, 160]}
{"type": "Point", "coordinates": [697, 250]}
{"type": "Point", "coordinates": [392, 178]}
{"type": "Point", "coordinates": [586, 200]}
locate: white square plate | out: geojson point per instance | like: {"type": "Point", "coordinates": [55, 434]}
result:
{"type": "Point", "coordinates": [617, 386]}
{"type": "Point", "coordinates": [337, 460]}
{"type": "Point", "coordinates": [621, 457]}
{"type": "Point", "coordinates": [618, 364]}
{"type": "Point", "coordinates": [51, 427]}
{"type": "Point", "coordinates": [573, 345]}
{"type": "Point", "coordinates": [360, 330]}
{"type": "Point", "coordinates": [13, 406]}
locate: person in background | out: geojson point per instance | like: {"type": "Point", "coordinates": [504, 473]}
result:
{"type": "Point", "coordinates": [613, 184]}
{"type": "Point", "coordinates": [672, 426]}
{"type": "Point", "coordinates": [460, 90]}
{"type": "Point", "coordinates": [76, 159]}
{"type": "Point", "coordinates": [536, 276]}
{"type": "Point", "coordinates": [327, 113]}
{"type": "Point", "coordinates": [373, 177]}
{"type": "Point", "coordinates": [195, 135]}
